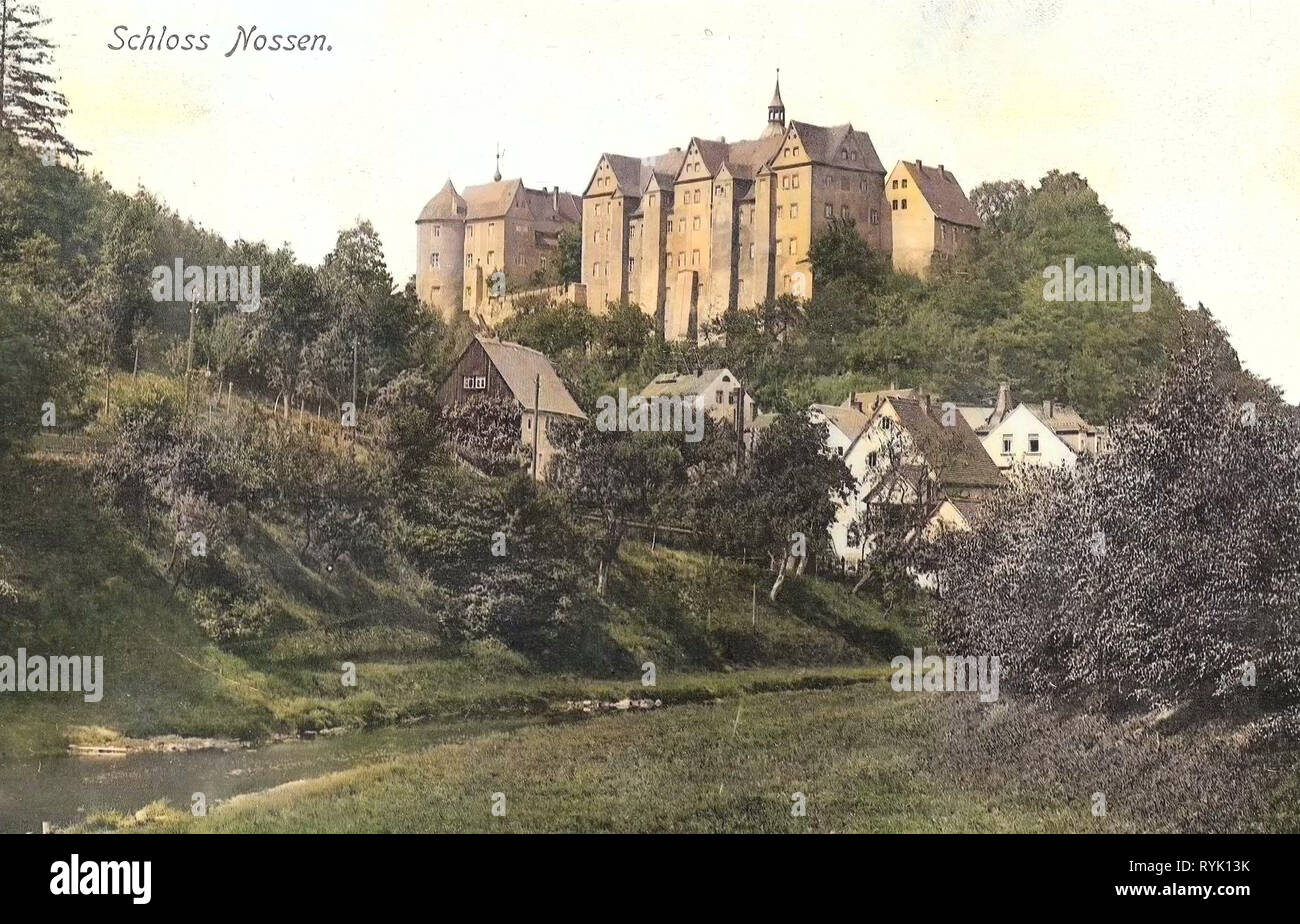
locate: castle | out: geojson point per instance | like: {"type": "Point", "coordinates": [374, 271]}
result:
{"type": "Point", "coordinates": [691, 232]}
{"type": "Point", "coordinates": [462, 241]}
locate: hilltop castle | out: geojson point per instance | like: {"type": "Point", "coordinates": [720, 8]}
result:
{"type": "Point", "coordinates": [462, 240]}
{"type": "Point", "coordinates": [691, 232]}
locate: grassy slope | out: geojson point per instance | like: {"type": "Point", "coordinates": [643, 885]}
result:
{"type": "Point", "coordinates": [90, 586]}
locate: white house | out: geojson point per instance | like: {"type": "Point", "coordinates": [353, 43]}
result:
{"type": "Point", "coordinates": [916, 455]}
{"type": "Point", "coordinates": [714, 390]}
{"type": "Point", "coordinates": [1040, 434]}
{"type": "Point", "coordinates": [845, 426]}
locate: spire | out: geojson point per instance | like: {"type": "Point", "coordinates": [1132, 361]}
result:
{"type": "Point", "coordinates": [775, 111]}
{"type": "Point", "coordinates": [497, 175]}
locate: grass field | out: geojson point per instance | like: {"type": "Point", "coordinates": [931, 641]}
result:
{"type": "Point", "coordinates": [859, 755]}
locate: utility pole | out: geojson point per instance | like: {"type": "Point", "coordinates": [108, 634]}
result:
{"type": "Point", "coordinates": [537, 401]}
{"type": "Point", "coordinates": [355, 342]}
{"type": "Point", "coordinates": [189, 354]}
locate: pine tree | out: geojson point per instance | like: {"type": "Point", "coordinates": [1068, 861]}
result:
{"type": "Point", "coordinates": [30, 107]}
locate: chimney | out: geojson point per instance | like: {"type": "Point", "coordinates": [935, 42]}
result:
{"type": "Point", "coordinates": [555, 198]}
{"type": "Point", "coordinates": [1003, 403]}
{"type": "Point", "coordinates": [722, 139]}
{"type": "Point", "coordinates": [918, 163]}
{"type": "Point", "coordinates": [1047, 408]}
{"type": "Point", "coordinates": [941, 169]}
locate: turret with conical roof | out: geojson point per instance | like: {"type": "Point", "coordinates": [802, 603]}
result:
{"type": "Point", "coordinates": [775, 112]}
{"type": "Point", "coordinates": [439, 250]}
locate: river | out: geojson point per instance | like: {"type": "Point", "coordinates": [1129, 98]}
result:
{"type": "Point", "coordinates": [64, 789]}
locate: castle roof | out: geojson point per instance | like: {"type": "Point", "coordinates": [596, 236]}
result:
{"type": "Point", "coordinates": [446, 204]}
{"type": "Point", "coordinates": [823, 142]}
{"type": "Point", "coordinates": [944, 194]}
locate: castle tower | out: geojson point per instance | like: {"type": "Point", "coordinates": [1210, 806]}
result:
{"type": "Point", "coordinates": [775, 112]}
{"type": "Point", "coordinates": [440, 251]}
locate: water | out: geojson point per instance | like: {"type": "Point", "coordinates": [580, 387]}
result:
{"type": "Point", "coordinates": [66, 788]}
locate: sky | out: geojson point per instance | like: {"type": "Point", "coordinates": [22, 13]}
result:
{"type": "Point", "coordinates": [1184, 115]}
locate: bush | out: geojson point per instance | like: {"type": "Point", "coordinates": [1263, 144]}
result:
{"type": "Point", "coordinates": [1163, 572]}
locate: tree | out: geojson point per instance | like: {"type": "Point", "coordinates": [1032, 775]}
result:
{"type": "Point", "coordinates": [840, 253]}
{"type": "Point", "coordinates": [621, 477]}
{"type": "Point", "coordinates": [1161, 573]}
{"type": "Point", "coordinates": [30, 107]}
{"type": "Point", "coordinates": [563, 265]}
{"type": "Point", "coordinates": [787, 484]}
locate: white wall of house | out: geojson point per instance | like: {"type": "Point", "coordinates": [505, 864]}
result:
{"type": "Point", "coordinates": [1022, 438]}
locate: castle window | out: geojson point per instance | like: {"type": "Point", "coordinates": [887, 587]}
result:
{"type": "Point", "coordinates": [695, 224]}
{"type": "Point", "coordinates": [905, 182]}
{"type": "Point", "coordinates": [904, 205]}
{"type": "Point", "coordinates": [780, 211]}
{"type": "Point", "coordinates": [437, 230]}
{"type": "Point", "coordinates": [794, 181]}
{"type": "Point", "coordinates": [787, 152]}
{"type": "Point", "coordinates": [433, 260]}
{"type": "Point", "coordinates": [468, 261]}
{"type": "Point", "coordinates": [844, 154]}
{"type": "Point", "coordinates": [830, 210]}
{"type": "Point", "coordinates": [844, 211]}
{"type": "Point", "coordinates": [751, 253]}
{"type": "Point", "coordinates": [1033, 442]}
{"type": "Point", "coordinates": [697, 196]}
{"type": "Point", "coordinates": [474, 382]}
{"type": "Point", "coordinates": [785, 182]}
{"type": "Point", "coordinates": [875, 217]}
{"type": "Point", "coordinates": [1006, 445]}
{"type": "Point", "coordinates": [595, 237]}
{"type": "Point", "coordinates": [681, 258]}
{"type": "Point", "coordinates": [719, 190]}
{"type": "Point", "coordinates": [695, 258]}
{"type": "Point", "coordinates": [471, 230]}
{"type": "Point", "coordinates": [895, 184]}
{"type": "Point", "coordinates": [595, 269]}
{"type": "Point", "coordinates": [794, 246]}
{"type": "Point", "coordinates": [794, 210]}
{"type": "Point", "coordinates": [597, 209]}
{"type": "Point", "coordinates": [681, 224]}
{"type": "Point", "coordinates": [631, 265]}
{"type": "Point", "coordinates": [796, 150]}
{"type": "Point", "coordinates": [895, 205]}
{"type": "Point", "coordinates": [862, 187]}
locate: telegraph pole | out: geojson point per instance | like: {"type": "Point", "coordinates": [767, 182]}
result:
{"type": "Point", "coordinates": [537, 420]}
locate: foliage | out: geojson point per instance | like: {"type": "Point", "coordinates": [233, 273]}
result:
{"type": "Point", "coordinates": [1162, 572]}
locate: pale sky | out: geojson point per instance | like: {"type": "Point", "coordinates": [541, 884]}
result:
{"type": "Point", "coordinates": [1184, 116]}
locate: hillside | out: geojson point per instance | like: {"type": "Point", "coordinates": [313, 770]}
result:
{"type": "Point", "coordinates": [86, 584]}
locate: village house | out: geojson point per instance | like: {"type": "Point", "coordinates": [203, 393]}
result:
{"type": "Point", "coordinates": [921, 463]}
{"type": "Point", "coordinates": [931, 218]}
{"type": "Point", "coordinates": [495, 367]}
{"type": "Point", "coordinates": [713, 391]}
{"type": "Point", "coordinates": [1046, 433]}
